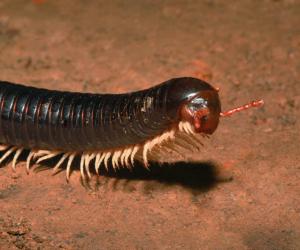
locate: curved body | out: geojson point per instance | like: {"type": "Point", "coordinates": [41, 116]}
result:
{"type": "Point", "coordinates": [36, 118]}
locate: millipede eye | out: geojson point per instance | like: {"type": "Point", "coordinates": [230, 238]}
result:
{"type": "Point", "coordinates": [204, 118]}
{"type": "Point", "coordinates": [197, 103]}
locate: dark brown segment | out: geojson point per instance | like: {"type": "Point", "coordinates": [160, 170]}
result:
{"type": "Point", "coordinates": [66, 121]}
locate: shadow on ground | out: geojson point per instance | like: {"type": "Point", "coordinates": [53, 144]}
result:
{"type": "Point", "coordinates": [195, 176]}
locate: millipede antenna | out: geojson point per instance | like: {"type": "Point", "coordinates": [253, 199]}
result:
{"type": "Point", "coordinates": [241, 108]}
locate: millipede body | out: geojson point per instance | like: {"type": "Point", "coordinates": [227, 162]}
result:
{"type": "Point", "coordinates": [106, 129]}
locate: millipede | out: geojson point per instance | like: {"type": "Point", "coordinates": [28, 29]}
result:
{"type": "Point", "coordinates": [107, 129]}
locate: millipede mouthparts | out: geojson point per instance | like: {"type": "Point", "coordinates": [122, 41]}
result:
{"type": "Point", "coordinates": [108, 129]}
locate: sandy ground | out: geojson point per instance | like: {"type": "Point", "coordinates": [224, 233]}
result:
{"type": "Point", "coordinates": [249, 49]}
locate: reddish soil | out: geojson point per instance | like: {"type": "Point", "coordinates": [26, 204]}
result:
{"type": "Point", "coordinates": [249, 49]}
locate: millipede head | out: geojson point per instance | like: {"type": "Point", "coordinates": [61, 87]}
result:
{"type": "Point", "coordinates": [202, 110]}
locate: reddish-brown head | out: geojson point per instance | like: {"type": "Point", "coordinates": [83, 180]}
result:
{"type": "Point", "coordinates": [201, 105]}
{"type": "Point", "coordinates": [202, 110]}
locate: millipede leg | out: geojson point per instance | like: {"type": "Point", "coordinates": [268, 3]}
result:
{"type": "Point", "coordinates": [88, 158]}
{"type": "Point", "coordinates": [133, 153]}
{"type": "Point", "coordinates": [71, 158]}
{"type": "Point", "coordinates": [62, 159]}
{"type": "Point", "coordinates": [99, 161]}
{"type": "Point", "coordinates": [115, 159]}
{"type": "Point", "coordinates": [7, 153]}
{"type": "Point", "coordinates": [29, 157]}
{"type": "Point", "coordinates": [46, 157]}
{"type": "Point", "coordinates": [183, 144]}
{"type": "Point", "coordinates": [16, 156]}
{"type": "Point", "coordinates": [108, 154]}
{"type": "Point", "coordinates": [128, 153]}
{"type": "Point", "coordinates": [3, 147]}
{"type": "Point", "coordinates": [123, 156]}
{"type": "Point", "coordinates": [81, 166]}
{"type": "Point", "coordinates": [145, 151]}
{"type": "Point", "coordinates": [40, 153]}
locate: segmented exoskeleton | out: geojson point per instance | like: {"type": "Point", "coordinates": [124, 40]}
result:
{"type": "Point", "coordinates": [105, 128]}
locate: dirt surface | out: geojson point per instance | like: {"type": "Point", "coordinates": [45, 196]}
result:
{"type": "Point", "coordinates": [249, 49]}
